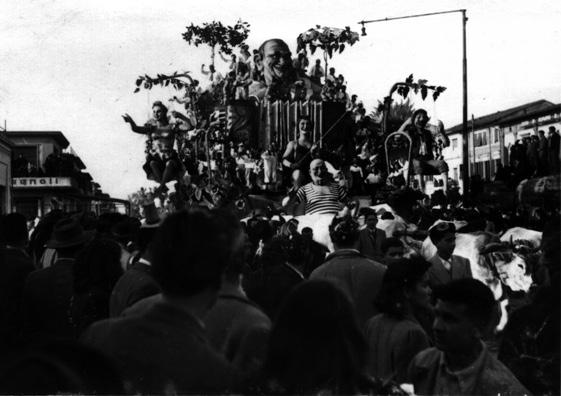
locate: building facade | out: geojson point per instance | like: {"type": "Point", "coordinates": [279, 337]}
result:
{"type": "Point", "coordinates": [491, 137]}
{"type": "Point", "coordinates": [46, 174]}
{"type": "Point", "coordinates": [5, 174]}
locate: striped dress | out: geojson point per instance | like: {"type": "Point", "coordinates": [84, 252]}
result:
{"type": "Point", "coordinates": [321, 199]}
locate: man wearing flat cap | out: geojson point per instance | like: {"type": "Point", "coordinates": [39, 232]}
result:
{"type": "Point", "coordinates": [48, 292]}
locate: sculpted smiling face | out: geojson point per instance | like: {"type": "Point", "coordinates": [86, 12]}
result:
{"type": "Point", "coordinates": [277, 60]}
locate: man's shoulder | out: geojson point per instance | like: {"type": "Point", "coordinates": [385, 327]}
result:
{"type": "Point", "coordinates": [460, 259]}
{"type": "Point", "coordinates": [426, 358]}
{"type": "Point", "coordinates": [360, 262]}
{"type": "Point", "coordinates": [434, 260]}
{"type": "Point", "coordinates": [497, 375]}
{"type": "Point", "coordinates": [112, 329]}
{"type": "Point", "coordinates": [137, 272]}
{"type": "Point", "coordinates": [39, 275]}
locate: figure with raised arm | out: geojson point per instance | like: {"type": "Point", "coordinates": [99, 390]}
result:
{"type": "Point", "coordinates": [162, 163]}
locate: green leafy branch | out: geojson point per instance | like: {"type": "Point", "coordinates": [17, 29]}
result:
{"type": "Point", "coordinates": [217, 36]}
{"type": "Point", "coordinates": [176, 80]}
{"type": "Point", "coordinates": [329, 40]}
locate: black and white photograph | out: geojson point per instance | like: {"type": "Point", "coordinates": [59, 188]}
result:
{"type": "Point", "coordinates": [280, 197]}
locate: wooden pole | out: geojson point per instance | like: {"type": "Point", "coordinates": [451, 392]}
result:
{"type": "Point", "coordinates": [465, 149]}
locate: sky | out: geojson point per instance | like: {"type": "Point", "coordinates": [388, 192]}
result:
{"type": "Point", "coordinates": [71, 65]}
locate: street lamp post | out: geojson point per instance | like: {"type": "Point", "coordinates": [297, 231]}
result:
{"type": "Point", "coordinates": [465, 157]}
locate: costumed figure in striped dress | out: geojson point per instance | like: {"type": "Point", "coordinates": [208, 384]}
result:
{"type": "Point", "coordinates": [322, 194]}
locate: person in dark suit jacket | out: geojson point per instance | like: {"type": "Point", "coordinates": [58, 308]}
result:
{"type": "Point", "coordinates": [358, 276]}
{"type": "Point", "coordinates": [165, 349]}
{"type": "Point", "coordinates": [371, 238]}
{"type": "Point", "coordinates": [48, 292]}
{"type": "Point", "coordinates": [446, 266]}
{"type": "Point", "coordinates": [137, 282]}
{"type": "Point", "coordinates": [15, 266]}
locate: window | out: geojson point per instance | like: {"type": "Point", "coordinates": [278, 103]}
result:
{"type": "Point", "coordinates": [480, 139]}
{"type": "Point", "coordinates": [455, 173]}
{"type": "Point", "coordinates": [496, 134]}
{"type": "Point", "coordinates": [30, 153]}
{"type": "Point", "coordinates": [454, 144]}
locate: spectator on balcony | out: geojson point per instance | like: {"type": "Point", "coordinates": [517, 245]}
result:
{"type": "Point", "coordinates": [301, 62]}
{"type": "Point", "coordinates": [542, 153]}
{"type": "Point", "coordinates": [342, 96]}
{"type": "Point", "coordinates": [19, 166]}
{"type": "Point", "coordinates": [243, 80]}
{"type": "Point", "coordinates": [53, 163]}
{"type": "Point", "coordinates": [351, 104]}
{"type": "Point", "coordinates": [298, 91]}
{"type": "Point", "coordinates": [331, 76]}
{"type": "Point", "coordinates": [532, 155]}
{"type": "Point", "coordinates": [245, 55]}
{"type": "Point", "coordinates": [328, 92]}
{"type": "Point", "coordinates": [316, 72]}
{"type": "Point", "coordinates": [257, 66]}
{"type": "Point", "coordinates": [340, 81]}
{"type": "Point", "coordinates": [553, 141]}
{"type": "Point", "coordinates": [359, 112]}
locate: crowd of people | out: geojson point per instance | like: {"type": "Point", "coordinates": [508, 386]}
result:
{"type": "Point", "coordinates": [201, 302]}
{"type": "Point", "coordinates": [532, 156]}
{"type": "Point", "coordinates": [195, 300]}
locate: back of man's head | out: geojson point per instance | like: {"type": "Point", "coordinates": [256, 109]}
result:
{"type": "Point", "coordinates": [344, 232]}
{"type": "Point", "coordinates": [477, 298]}
{"type": "Point", "coordinates": [191, 250]}
{"type": "Point", "coordinates": [14, 229]}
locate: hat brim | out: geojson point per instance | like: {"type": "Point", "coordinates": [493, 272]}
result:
{"type": "Point", "coordinates": [78, 240]}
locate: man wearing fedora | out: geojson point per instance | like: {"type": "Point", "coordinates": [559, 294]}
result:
{"type": "Point", "coordinates": [48, 292]}
{"type": "Point", "coordinates": [165, 349]}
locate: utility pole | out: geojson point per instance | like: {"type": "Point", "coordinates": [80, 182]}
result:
{"type": "Point", "coordinates": [465, 149]}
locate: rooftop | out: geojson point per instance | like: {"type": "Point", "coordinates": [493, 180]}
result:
{"type": "Point", "coordinates": [509, 116]}
{"type": "Point", "coordinates": [55, 135]}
